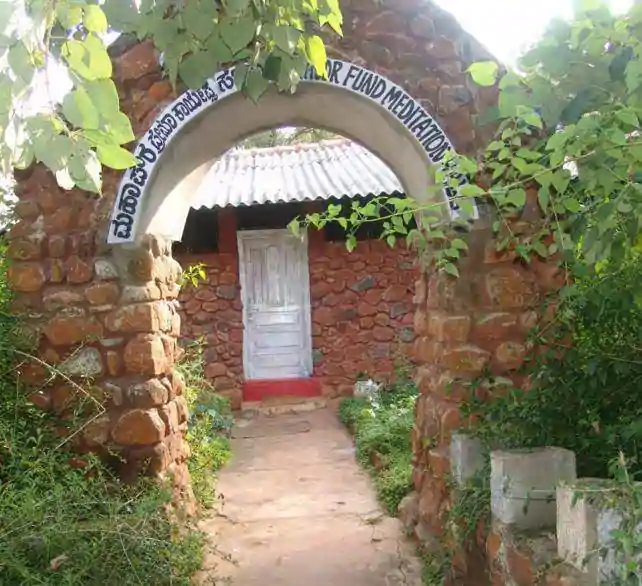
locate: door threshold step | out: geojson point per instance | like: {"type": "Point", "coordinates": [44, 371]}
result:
{"type": "Point", "coordinates": [282, 406]}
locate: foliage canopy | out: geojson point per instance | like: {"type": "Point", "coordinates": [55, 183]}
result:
{"type": "Point", "coordinates": [271, 41]}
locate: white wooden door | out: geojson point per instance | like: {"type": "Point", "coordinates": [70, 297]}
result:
{"type": "Point", "coordinates": [275, 288]}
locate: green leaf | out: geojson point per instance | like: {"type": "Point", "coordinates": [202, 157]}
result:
{"type": "Point", "coordinates": [69, 15]}
{"type": "Point", "coordinates": [217, 48]}
{"type": "Point", "coordinates": [633, 75]}
{"type": "Point", "coordinates": [23, 156]}
{"type": "Point", "coordinates": [120, 128]}
{"type": "Point", "coordinates": [238, 34]}
{"type": "Point", "coordinates": [484, 73]}
{"type": "Point", "coordinates": [451, 269]}
{"type": "Point", "coordinates": [21, 63]}
{"type": "Point", "coordinates": [533, 119]}
{"type": "Point", "coordinates": [543, 197]}
{"type": "Point", "coordinates": [583, 6]}
{"type": "Point", "coordinates": [516, 197]}
{"type": "Point", "coordinates": [237, 6]}
{"type": "Point", "coordinates": [116, 157]}
{"type": "Point", "coordinates": [272, 68]}
{"type": "Point", "coordinates": [572, 205]}
{"type": "Point", "coordinates": [104, 95]}
{"type": "Point", "coordinates": [391, 240]}
{"type": "Point", "coordinates": [95, 20]}
{"type": "Point", "coordinates": [628, 116]}
{"type": "Point", "coordinates": [459, 244]}
{"type": "Point", "coordinates": [84, 168]}
{"type": "Point", "coordinates": [294, 227]}
{"type": "Point", "coordinates": [197, 20]}
{"type": "Point", "coordinates": [315, 52]}
{"type": "Point", "coordinates": [99, 60]}
{"type": "Point", "coordinates": [53, 151]}
{"type": "Point", "coordinates": [88, 58]}
{"type": "Point", "coordinates": [240, 74]}
{"type": "Point", "coordinates": [285, 37]}
{"type": "Point", "coordinates": [76, 56]}
{"type": "Point", "coordinates": [255, 84]}
{"type": "Point", "coordinates": [560, 180]}
{"type": "Point", "coordinates": [472, 190]}
{"type": "Point", "coordinates": [122, 15]}
{"type": "Point", "coordinates": [195, 69]}
{"type": "Point", "coordinates": [79, 109]}
{"type": "Point", "coordinates": [351, 243]}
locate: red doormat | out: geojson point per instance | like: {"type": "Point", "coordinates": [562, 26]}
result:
{"type": "Point", "coordinates": [258, 390]}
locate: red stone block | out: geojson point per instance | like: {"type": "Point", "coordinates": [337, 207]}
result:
{"type": "Point", "coordinates": [26, 277]}
{"type": "Point", "coordinates": [78, 270]}
{"type": "Point", "coordinates": [25, 249]}
{"type": "Point", "coordinates": [365, 309]}
{"type": "Point", "coordinates": [494, 326]}
{"type": "Point", "coordinates": [146, 354]}
{"type": "Point", "coordinates": [395, 293]}
{"type": "Point", "coordinates": [64, 331]}
{"type": "Point", "coordinates": [139, 428]}
{"type": "Point", "coordinates": [56, 245]}
{"type": "Point", "coordinates": [449, 328]}
{"type": "Point", "coordinates": [382, 334]}
{"type": "Point", "coordinates": [137, 62]}
{"type": "Point", "coordinates": [507, 288]}
{"type": "Point", "coordinates": [427, 351]}
{"type": "Point", "coordinates": [519, 566]}
{"type": "Point", "coordinates": [102, 293]}
{"type": "Point", "coordinates": [27, 209]}
{"type": "Point", "coordinates": [59, 221]}
{"type": "Point", "coordinates": [508, 356]}
{"type": "Point", "coordinates": [465, 360]}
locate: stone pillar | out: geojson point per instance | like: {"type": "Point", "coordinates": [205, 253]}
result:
{"type": "Point", "coordinates": [104, 320]}
{"type": "Point", "coordinates": [467, 326]}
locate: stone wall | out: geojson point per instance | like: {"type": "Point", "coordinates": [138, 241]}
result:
{"type": "Point", "coordinates": [361, 306]}
{"type": "Point", "coordinates": [362, 312]}
{"type": "Point", "coordinates": [465, 327]}
{"type": "Point", "coordinates": [112, 308]}
{"type": "Point", "coordinates": [104, 322]}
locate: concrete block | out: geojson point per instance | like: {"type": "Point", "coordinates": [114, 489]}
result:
{"type": "Point", "coordinates": [584, 529]}
{"type": "Point", "coordinates": [524, 482]}
{"type": "Point", "coordinates": [466, 458]}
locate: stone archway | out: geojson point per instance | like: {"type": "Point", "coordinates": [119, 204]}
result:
{"type": "Point", "coordinates": [107, 310]}
{"type": "Point", "coordinates": [188, 134]}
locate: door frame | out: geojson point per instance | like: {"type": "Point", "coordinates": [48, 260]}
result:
{"type": "Point", "coordinates": [241, 237]}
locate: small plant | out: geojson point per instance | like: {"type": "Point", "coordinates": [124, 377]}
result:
{"type": "Point", "coordinates": [66, 519]}
{"type": "Point", "coordinates": [193, 274]}
{"type": "Point", "coordinates": [382, 423]}
{"type": "Point", "coordinates": [210, 425]}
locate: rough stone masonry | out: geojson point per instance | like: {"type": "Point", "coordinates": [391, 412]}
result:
{"type": "Point", "coordinates": [107, 315]}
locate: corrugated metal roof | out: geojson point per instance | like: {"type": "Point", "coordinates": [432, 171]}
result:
{"type": "Point", "coordinates": [306, 171]}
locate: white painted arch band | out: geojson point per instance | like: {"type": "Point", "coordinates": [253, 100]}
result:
{"type": "Point", "coordinates": [392, 98]}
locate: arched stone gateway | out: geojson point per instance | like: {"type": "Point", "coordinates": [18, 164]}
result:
{"type": "Point", "coordinates": [357, 118]}
{"type": "Point", "coordinates": [96, 281]}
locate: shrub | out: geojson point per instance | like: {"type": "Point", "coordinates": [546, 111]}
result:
{"type": "Point", "coordinates": [71, 526]}
{"type": "Point", "coordinates": [382, 429]}
{"type": "Point", "coordinates": [209, 427]}
{"type": "Point", "coordinates": [586, 398]}
{"type": "Point", "coordinates": [350, 410]}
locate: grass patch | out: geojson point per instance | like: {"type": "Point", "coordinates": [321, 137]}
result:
{"type": "Point", "coordinates": [382, 426]}
{"type": "Point", "coordinates": [210, 426]}
{"type": "Point", "coordinates": [64, 525]}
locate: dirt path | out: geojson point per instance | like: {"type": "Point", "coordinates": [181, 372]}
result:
{"type": "Point", "coordinates": [299, 511]}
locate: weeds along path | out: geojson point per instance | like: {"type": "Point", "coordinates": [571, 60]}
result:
{"type": "Point", "coordinates": [297, 509]}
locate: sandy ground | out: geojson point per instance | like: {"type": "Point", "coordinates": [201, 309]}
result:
{"type": "Point", "coordinates": [297, 510]}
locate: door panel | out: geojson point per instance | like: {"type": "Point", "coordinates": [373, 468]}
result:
{"type": "Point", "coordinates": [275, 288]}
